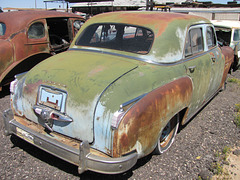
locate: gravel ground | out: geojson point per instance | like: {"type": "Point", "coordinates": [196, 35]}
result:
{"type": "Point", "coordinates": [192, 153]}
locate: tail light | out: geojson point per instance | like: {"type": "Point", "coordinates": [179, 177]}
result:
{"type": "Point", "coordinates": [13, 85]}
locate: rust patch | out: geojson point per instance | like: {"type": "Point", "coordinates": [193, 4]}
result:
{"type": "Point", "coordinates": [144, 121]}
{"type": "Point", "coordinates": [96, 70]}
{"type": "Point", "coordinates": [56, 136]}
{"type": "Point", "coordinates": [38, 128]}
{"type": "Point", "coordinates": [30, 88]}
{"type": "Point", "coordinates": [229, 58]}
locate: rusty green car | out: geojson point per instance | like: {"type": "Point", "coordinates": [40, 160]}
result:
{"type": "Point", "coordinates": [122, 89]}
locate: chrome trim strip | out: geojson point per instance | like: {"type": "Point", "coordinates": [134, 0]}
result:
{"type": "Point", "coordinates": [144, 59]}
{"type": "Point", "coordinates": [132, 100]}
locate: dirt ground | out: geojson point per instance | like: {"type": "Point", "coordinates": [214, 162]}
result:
{"type": "Point", "coordinates": [191, 156]}
{"type": "Point", "coordinates": [233, 168]}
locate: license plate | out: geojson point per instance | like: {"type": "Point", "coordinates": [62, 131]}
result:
{"type": "Point", "coordinates": [25, 135]}
{"type": "Point", "coordinates": [53, 98]}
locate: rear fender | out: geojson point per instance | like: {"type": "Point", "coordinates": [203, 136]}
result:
{"type": "Point", "coordinates": [229, 60]}
{"type": "Point", "coordinates": [6, 58]}
{"type": "Point", "coordinates": [22, 66]}
{"type": "Point", "coordinates": [140, 127]}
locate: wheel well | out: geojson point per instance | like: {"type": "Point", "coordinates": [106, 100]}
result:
{"type": "Point", "coordinates": [183, 115]}
{"type": "Point", "coordinates": [24, 66]}
{"type": "Point", "coordinates": [235, 63]}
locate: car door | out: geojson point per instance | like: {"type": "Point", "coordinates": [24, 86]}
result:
{"type": "Point", "coordinates": [198, 66]}
{"type": "Point", "coordinates": [217, 63]}
{"type": "Point", "coordinates": [37, 38]}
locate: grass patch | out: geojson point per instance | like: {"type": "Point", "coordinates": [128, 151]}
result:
{"type": "Point", "coordinates": [237, 107]}
{"type": "Point", "coordinates": [217, 167]}
{"type": "Point", "coordinates": [234, 80]}
{"type": "Point", "coordinates": [226, 150]}
{"type": "Point", "coordinates": [237, 119]}
{"type": "Point", "coordinates": [237, 115]}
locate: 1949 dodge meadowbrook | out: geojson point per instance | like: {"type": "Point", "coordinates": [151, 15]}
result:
{"type": "Point", "coordinates": [120, 92]}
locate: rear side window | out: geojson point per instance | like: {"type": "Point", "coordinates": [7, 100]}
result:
{"type": "Point", "coordinates": [2, 29]}
{"type": "Point", "coordinates": [194, 42]}
{"type": "Point", "coordinates": [36, 31]}
{"type": "Point", "coordinates": [211, 39]}
{"type": "Point", "coordinates": [121, 37]}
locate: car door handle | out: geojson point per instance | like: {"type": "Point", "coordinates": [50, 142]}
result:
{"type": "Point", "coordinates": [191, 69]}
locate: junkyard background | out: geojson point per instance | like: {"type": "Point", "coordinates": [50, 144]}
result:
{"type": "Point", "coordinates": [193, 153]}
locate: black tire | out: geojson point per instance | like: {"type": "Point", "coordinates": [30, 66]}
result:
{"type": "Point", "coordinates": [167, 135]}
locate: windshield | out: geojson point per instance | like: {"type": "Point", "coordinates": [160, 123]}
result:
{"type": "Point", "coordinates": [121, 37]}
{"type": "Point", "coordinates": [2, 29]}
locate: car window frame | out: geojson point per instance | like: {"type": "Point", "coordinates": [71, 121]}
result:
{"type": "Point", "coordinates": [124, 24]}
{"type": "Point", "coordinates": [215, 37]}
{"type": "Point", "coordinates": [233, 34]}
{"type": "Point", "coordinates": [191, 28]}
{"type": "Point", "coordinates": [44, 40]}
{"type": "Point", "coordinates": [33, 23]}
{"type": "Point", "coordinates": [3, 28]}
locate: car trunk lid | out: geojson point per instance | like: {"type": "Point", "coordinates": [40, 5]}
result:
{"type": "Point", "coordinates": [63, 90]}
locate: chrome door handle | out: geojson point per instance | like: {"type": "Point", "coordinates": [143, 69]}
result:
{"type": "Point", "coordinates": [191, 69]}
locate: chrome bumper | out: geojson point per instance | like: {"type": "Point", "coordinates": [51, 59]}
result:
{"type": "Point", "coordinates": [81, 157]}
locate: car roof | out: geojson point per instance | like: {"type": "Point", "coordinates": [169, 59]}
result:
{"type": "Point", "coordinates": [169, 30]}
{"type": "Point", "coordinates": [17, 20]}
{"type": "Point", "coordinates": [148, 18]}
{"type": "Point", "coordinates": [226, 23]}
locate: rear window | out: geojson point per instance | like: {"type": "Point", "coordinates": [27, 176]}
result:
{"type": "Point", "coordinates": [121, 37]}
{"type": "Point", "coordinates": [2, 29]}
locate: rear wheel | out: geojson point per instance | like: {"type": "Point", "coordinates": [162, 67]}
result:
{"type": "Point", "coordinates": [167, 135]}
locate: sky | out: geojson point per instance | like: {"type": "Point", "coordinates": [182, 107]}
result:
{"type": "Point", "coordinates": [41, 4]}
{"type": "Point", "coordinates": [30, 4]}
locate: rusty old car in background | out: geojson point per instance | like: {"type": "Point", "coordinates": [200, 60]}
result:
{"type": "Point", "coordinates": [28, 37]}
{"type": "Point", "coordinates": [121, 90]}
{"type": "Point", "coordinates": [228, 34]}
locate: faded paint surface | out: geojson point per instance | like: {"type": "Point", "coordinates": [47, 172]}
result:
{"type": "Point", "coordinates": [98, 81]}
{"type": "Point", "coordinates": [83, 80]}
{"type": "Point", "coordinates": [7, 55]}
{"type": "Point", "coordinates": [229, 59]}
{"type": "Point", "coordinates": [144, 121]}
{"type": "Point", "coordinates": [164, 25]}
{"type": "Point", "coordinates": [139, 81]}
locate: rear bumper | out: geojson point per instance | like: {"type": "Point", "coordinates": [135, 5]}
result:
{"type": "Point", "coordinates": [79, 156]}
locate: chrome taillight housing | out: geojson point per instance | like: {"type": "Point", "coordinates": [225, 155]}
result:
{"type": "Point", "coordinates": [13, 85]}
{"type": "Point", "coordinates": [117, 116]}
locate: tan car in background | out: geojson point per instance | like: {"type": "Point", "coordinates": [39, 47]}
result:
{"type": "Point", "coordinates": [228, 34]}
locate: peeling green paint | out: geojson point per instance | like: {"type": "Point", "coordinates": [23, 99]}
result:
{"type": "Point", "coordinates": [84, 74]}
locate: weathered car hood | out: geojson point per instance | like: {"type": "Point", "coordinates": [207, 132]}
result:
{"type": "Point", "coordinates": [82, 76]}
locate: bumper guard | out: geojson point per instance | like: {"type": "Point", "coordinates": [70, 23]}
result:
{"type": "Point", "coordinates": [81, 157]}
